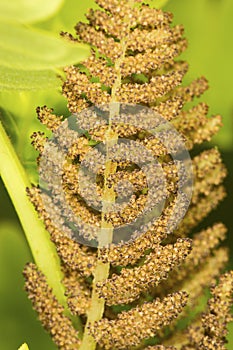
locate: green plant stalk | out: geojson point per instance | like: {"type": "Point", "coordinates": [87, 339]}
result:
{"type": "Point", "coordinates": [101, 272]}
{"type": "Point", "coordinates": [24, 347]}
{"type": "Point", "coordinates": [43, 250]}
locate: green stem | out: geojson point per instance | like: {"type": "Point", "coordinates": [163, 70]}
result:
{"type": "Point", "coordinates": [43, 250]}
{"type": "Point", "coordinates": [96, 310]}
{"type": "Point", "coordinates": [101, 272]}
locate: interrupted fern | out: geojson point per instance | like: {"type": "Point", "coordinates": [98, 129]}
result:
{"type": "Point", "coordinates": [132, 295]}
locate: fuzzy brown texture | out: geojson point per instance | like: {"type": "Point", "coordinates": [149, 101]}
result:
{"type": "Point", "coordinates": [162, 273]}
{"type": "Point", "coordinates": [51, 313]}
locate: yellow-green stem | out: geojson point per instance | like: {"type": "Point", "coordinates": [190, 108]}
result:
{"type": "Point", "coordinates": [43, 251]}
{"type": "Point", "coordinates": [102, 269]}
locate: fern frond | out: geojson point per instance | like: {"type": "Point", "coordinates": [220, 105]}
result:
{"type": "Point", "coordinates": [123, 332]}
{"type": "Point", "coordinates": [138, 289]}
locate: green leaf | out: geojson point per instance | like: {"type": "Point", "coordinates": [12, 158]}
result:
{"type": "Point", "coordinates": [28, 11]}
{"type": "Point", "coordinates": [29, 57]}
{"type": "Point", "coordinates": [31, 49]}
{"type": "Point", "coordinates": [93, 143]}
{"type": "Point", "coordinates": [16, 79]}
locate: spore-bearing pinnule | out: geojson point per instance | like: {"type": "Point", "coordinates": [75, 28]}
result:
{"type": "Point", "coordinates": [145, 181]}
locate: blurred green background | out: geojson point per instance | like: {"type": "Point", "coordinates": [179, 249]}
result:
{"type": "Point", "coordinates": [209, 29]}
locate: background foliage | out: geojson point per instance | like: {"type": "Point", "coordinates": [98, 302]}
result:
{"type": "Point", "coordinates": [31, 57]}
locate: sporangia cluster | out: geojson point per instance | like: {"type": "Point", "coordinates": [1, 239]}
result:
{"type": "Point", "coordinates": [134, 295]}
